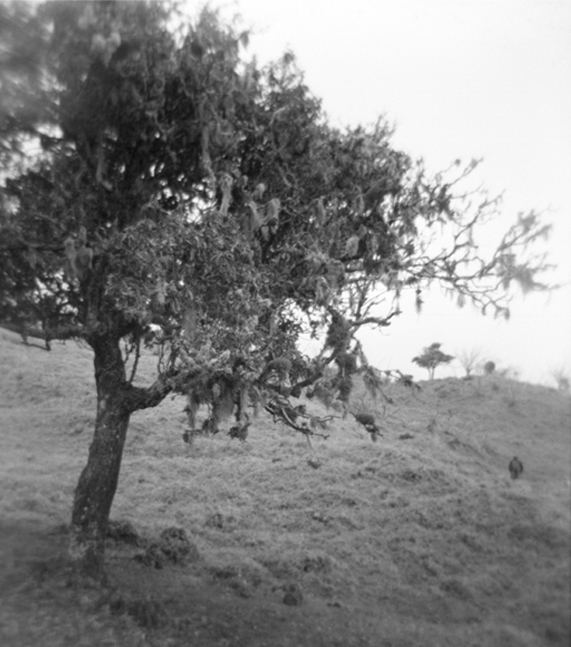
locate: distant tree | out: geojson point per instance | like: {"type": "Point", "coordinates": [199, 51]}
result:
{"type": "Point", "coordinates": [561, 378]}
{"type": "Point", "coordinates": [431, 358]}
{"type": "Point", "coordinates": [489, 367]}
{"type": "Point", "coordinates": [160, 190]}
{"type": "Point", "coordinates": [469, 359]}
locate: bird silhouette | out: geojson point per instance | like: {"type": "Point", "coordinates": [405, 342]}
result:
{"type": "Point", "coordinates": [515, 467]}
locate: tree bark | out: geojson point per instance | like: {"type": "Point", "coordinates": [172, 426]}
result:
{"type": "Point", "coordinates": [98, 481]}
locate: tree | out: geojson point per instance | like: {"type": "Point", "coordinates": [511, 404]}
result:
{"type": "Point", "coordinates": [560, 376]}
{"type": "Point", "coordinates": [469, 359]}
{"type": "Point", "coordinates": [162, 191]}
{"type": "Point", "coordinates": [432, 357]}
{"type": "Point", "coordinates": [489, 367]}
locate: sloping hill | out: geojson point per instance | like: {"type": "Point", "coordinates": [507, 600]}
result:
{"type": "Point", "coordinates": [420, 538]}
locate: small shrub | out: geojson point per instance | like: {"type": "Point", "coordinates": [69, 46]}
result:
{"type": "Point", "coordinates": [489, 367]}
{"type": "Point", "coordinates": [173, 547]}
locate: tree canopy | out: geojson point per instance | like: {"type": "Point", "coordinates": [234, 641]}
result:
{"type": "Point", "coordinates": [159, 188]}
{"type": "Point", "coordinates": [431, 358]}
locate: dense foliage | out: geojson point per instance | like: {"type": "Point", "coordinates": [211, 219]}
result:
{"type": "Point", "coordinates": [159, 188]}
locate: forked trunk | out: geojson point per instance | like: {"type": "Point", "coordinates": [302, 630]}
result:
{"type": "Point", "coordinates": [98, 481]}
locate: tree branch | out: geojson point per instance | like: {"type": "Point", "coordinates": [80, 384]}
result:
{"type": "Point", "coordinates": [145, 398]}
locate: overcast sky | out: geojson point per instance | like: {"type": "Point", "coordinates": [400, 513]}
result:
{"type": "Point", "coordinates": [459, 79]}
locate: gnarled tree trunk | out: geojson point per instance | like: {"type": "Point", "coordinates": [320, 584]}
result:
{"type": "Point", "coordinates": [98, 481]}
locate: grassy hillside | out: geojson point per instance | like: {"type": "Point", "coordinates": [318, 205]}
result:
{"type": "Point", "coordinates": [418, 539]}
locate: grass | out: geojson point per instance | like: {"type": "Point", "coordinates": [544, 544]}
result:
{"type": "Point", "coordinates": [419, 539]}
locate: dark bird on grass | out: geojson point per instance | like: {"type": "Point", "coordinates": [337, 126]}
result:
{"type": "Point", "coordinates": [515, 467]}
{"type": "Point", "coordinates": [239, 431]}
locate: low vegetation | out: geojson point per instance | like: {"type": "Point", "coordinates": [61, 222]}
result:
{"type": "Point", "coordinates": [419, 538]}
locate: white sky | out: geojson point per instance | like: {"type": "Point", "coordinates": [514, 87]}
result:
{"type": "Point", "coordinates": [460, 79]}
